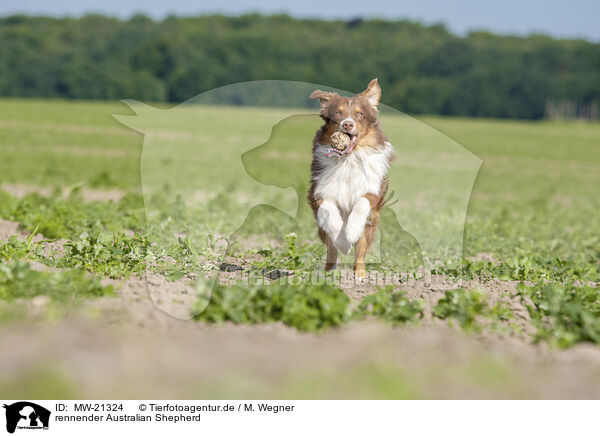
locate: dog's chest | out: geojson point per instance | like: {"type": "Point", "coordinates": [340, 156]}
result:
{"type": "Point", "coordinates": [344, 180]}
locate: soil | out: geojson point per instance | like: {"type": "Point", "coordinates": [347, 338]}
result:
{"type": "Point", "coordinates": [126, 347]}
{"type": "Point", "coordinates": [87, 194]}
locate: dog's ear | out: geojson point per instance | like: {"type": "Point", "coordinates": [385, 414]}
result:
{"type": "Point", "coordinates": [372, 93]}
{"type": "Point", "coordinates": [323, 97]}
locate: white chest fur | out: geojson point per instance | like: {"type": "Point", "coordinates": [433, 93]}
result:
{"type": "Point", "coordinates": [345, 180]}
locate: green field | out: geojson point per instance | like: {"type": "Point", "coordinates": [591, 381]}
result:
{"type": "Point", "coordinates": [94, 206]}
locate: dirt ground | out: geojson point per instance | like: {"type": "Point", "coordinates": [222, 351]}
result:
{"type": "Point", "coordinates": [125, 347]}
{"type": "Point", "coordinates": [87, 194]}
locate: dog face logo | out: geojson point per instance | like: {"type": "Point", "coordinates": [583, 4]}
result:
{"type": "Point", "coordinates": [26, 415]}
{"type": "Point", "coordinates": [240, 157]}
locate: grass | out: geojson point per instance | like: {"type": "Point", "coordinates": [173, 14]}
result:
{"type": "Point", "coordinates": [217, 176]}
{"type": "Point", "coordinates": [18, 280]}
{"type": "Point", "coordinates": [538, 176]}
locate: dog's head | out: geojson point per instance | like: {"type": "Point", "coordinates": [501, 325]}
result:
{"type": "Point", "coordinates": [354, 116]}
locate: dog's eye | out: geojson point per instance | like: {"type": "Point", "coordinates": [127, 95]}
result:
{"type": "Point", "coordinates": [338, 113]}
{"type": "Point", "coordinates": [359, 114]}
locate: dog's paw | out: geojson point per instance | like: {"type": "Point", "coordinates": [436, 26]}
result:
{"type": "Point", "coordinates": [342, 244]}
{"type": "Point", "coordinates": [330, 266]}
{"type": "Point", "coordinates": [354, 230]}
{"type": "Point", "coordinates": [360, 274]}
{"type": "Point", "coordinates": [329, 219]}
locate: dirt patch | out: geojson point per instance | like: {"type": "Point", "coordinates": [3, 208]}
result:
{"type": "Point", "coordinates": [144, 298]}
{"type": "Point", "coordinates": [7, 229]}
{"type": "Point", "coordinates": [432, 288]}
{"type": "Point", "coordinates": [97, 195]}
{"type": "Point", "coordinates": [193, 360]}
{"type": "Point", "coordinates": [72, 150]}
{"type": "Point", "coordinates": [70, 128]}
{"type": "Point", "coordinates": [88, 195]}
{"type": "Point", "coordinates": [486, 257]}
{"type": "Point", "coordinates": [135, 349]}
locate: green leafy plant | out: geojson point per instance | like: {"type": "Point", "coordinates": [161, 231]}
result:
{"type": "Point", "coordinates": [304, 307]}
{"type": "Point", "coordinates": [563, 313]}
{"type": "Point", "coordinates": [18, 280]}
{"type": "Point", "coordinates": [390, 306]}
{"type": "Point", "coordinates": [526, 268]}
{"type": "Point", "coordinates": [465, 306]}
{"type": "Point", "coordinates": [57, 217]}
{"type": "Point", "coordinates": [15, 248]}
{"type": "Point", "coordinates": [112, 256]}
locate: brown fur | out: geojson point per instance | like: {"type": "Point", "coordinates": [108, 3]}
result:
{"type": "Point", "coordinates": [362, 245]}
{"type": "Point", "coordinates": [334, 109]}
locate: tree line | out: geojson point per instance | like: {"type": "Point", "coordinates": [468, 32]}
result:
{"type": "Point", "coordinates": [422, 69]}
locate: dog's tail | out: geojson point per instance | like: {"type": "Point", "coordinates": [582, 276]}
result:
{"type": "Point", "coordinates": [386, 198]}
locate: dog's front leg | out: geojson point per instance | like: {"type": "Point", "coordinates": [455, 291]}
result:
{"type": "Point", "coordinates": [357, 219]}
{"type": "Point", "coordinates": [330, 220]}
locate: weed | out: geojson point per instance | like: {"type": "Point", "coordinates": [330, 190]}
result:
{"type": "Point", "coordinates": [463, 306]}
{"type": "Point", "coordinates": [111, 256]}
{"type": "Point", "coordinates": [18, 280]}
{"type": "Point", "coordinates": [563, 313]}
{"type": "Point", "coordinates": [470, 308]}
{"type": "Point", "coordinates": [307, 308]}
{"type": "Point", "coordinates": [390, 306]}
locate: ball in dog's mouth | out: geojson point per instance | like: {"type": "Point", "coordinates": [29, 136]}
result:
{"type": "Point", "coordinates": [342, 140]}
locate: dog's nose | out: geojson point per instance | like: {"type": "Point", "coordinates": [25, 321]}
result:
{"type": "Point", "coordinates": [348, 125]}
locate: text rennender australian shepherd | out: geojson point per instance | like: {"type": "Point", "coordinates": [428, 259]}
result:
{"type": "Point", "coordinates": [347, 192]}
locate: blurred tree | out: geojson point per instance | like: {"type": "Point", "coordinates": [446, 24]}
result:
{"type": "Point", "coordinates": [422, 69]}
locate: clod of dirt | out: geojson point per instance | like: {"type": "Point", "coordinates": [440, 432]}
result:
{"type": "Point", "coordinates": [230, 267]}
{"type": "Point", "coordinates": [276, 274]}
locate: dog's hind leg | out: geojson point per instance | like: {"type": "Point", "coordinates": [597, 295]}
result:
{"type": "Point", "coordinates": [332, 252]}
{"type": "Point", "coordinates": [363, 244]}
{"type": "Point", "coordinates": [360, 251]}
{"type": "Point", "coordinates": [332, 256]}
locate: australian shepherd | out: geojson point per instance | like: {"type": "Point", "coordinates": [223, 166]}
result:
{"type": "Point", "coordinates": [347, 190]}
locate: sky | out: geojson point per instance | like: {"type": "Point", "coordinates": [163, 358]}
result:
{"type": "Point", "coordinates": [559, 18]}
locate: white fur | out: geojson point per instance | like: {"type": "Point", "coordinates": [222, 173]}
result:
{"type": "Point", "coordinates": [353, 130]}
{"type": "Point", "coordinates": [342, 183]}
{"type": "Point", "coordinates": [357, 220]}
{"type": "Point", "coordinates": [372, 94]}
{"type": "Point", "coordinates": [329, 219]}
{"type": "Point", "coordinates": [342, 243]}
{"type": "Point", "coordinates": [373, 101]}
